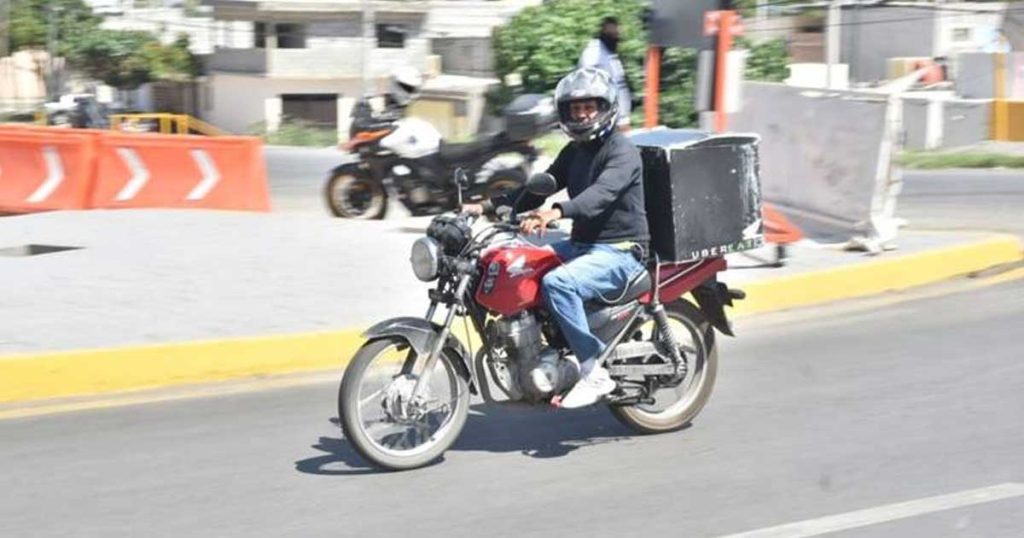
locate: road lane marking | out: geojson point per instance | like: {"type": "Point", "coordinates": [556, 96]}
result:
{"type": "Point", "coordinates": [888, 512]}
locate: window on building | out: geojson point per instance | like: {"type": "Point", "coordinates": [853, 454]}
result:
{"type": "Point", "coordinates": [391, 36]}
{"type": "Point", "coordinates": [318, 109]}
{"type": "Point", "coordinates": [289, 36]}
{"type": "Point", "coordinates": [961, 34]}
{"type": "Point", "coordinates": [259, 35]}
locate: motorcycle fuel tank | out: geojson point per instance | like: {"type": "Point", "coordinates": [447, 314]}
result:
{"type": "Point", "coordinates": [510, 281]}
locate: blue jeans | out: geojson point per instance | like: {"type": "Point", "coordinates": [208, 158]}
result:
{"type": "Point", "coordinates": [588, 271]}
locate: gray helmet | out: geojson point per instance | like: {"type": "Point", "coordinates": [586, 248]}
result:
{"type": "Point", "coordinates": [582, 84]}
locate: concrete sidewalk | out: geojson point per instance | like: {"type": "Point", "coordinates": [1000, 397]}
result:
{"type": "Point", "coordinates": [158, 297]}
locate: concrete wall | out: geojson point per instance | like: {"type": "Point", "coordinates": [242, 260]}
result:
{"type": "Point", "coordinates": [974, 74]}
{"type": "Point", "coordinates": [333, 48]}
{"type": "Point", "coordinates": [821, 155]}
{"type": "Point", "coordinates": [966, 122]}
{"type": "Point", "coordinates": [237, 102]}
{"type": "Point", "coordinates": [966, 32]}
{"type": "Point", "coordinates": [467, 56]}
{"type": "Point", "coordinates": [22, 83]}
{"type": "Point", "coordinates": [868, 40]}
{"type": "Point", "coordinates": [939, 120]}
{"type": "Point", "coordinates": [915, 124]}
{"type": "Point", "coordinates": [342, 57]}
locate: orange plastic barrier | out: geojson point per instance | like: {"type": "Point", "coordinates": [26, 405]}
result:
{"type": "Point", "coordinates": [41, 172]}
{"type": "Point", "coordinates": [150, 170]}
{"type": "Point", "coordinates": [105, 169]}
{"type": "Point", "coordinates": [777, 228]}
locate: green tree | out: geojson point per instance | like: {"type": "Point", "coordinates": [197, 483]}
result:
{"type": "Point", "coordinates": [120, 59]}
{"type": "Point", "coordinates": [174, 61]}
{"type": "Point", "coordinates": [767, 59]}
{"type": "Point", "coordinates": [29, 23]}
{"type": "Point", "coordinates": [126, 59]}
{"type": "Point", "coordinates": [543, 43]}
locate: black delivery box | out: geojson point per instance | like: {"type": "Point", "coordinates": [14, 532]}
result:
{"type": "Point", "coordinates": [703, 192]}
{"type": "Point", "coordinates": [529, 116]}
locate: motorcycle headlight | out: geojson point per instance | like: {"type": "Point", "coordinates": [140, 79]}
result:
{"type": "Point", "coordinates": [425, 258]}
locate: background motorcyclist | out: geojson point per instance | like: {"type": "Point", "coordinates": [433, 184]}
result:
{"type": "Point", "coordinates": [602, 53]}
{"type": "Point", "coordinates": [376, 112]}
{"type": "Point", "coordinates": [602, 171]}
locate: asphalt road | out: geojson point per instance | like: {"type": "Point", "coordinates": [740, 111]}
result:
{"type": "Point", "coordinates": [297, 177]}
{"type": "Point", "coordinates": [990, 200]}
{"type": "Point", "coordinates": [964, 199]}
{"type": "Point", "coordinates": [816, 412]}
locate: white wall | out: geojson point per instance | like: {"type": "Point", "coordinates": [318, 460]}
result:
{"type": "Point", "coordinates": [979, 26]}
{"type": "Point", "coordinates": [236, 102]}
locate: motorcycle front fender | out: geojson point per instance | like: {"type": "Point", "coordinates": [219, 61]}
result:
{"type": "Point", "coordinates": [421, 336]}
{"type": "Point", "coordinates": [354, 168]}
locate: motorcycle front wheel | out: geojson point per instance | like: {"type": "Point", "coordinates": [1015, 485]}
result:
{"type": "Point", "coordinates": [381, 419]}
{"type": "Point", "coordinates": [677, 403]}
{"type": "Point", "coordinates": [352, 195]}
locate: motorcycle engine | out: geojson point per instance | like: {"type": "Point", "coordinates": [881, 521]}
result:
{"type": "Point", "coordinates": [527, 369]}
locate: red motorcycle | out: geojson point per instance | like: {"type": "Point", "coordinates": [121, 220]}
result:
{"type": "Point", "coordinates": [405, 396]}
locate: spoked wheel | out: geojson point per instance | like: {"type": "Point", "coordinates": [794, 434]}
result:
{"type": "Point", "coordinates": [678, 399]}
{"type": "Point", "coordinates": [382, 419]}
{"type": "Point", "coordinates": [355, 196]}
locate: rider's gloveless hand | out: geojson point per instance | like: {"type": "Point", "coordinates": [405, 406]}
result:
{"type": "Point", "coordinates": [538, 220]}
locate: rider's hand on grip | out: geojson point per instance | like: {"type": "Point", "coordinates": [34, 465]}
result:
{"type": "Point", "coordinates": [473, 209]}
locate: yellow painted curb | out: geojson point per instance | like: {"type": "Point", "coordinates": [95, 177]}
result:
{"type": "Point", "coordinates": [879, 276]}
{"type": "Point", "coordinates": [77, 373]}
{"type": "Point", "coordinates": [74, 373]}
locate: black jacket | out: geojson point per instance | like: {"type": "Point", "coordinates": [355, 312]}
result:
{"type": "Point", "coordinates": [606, 191]}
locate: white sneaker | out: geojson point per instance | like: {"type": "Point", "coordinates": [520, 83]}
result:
{"type": "Point", "coordinates": [589, 389]}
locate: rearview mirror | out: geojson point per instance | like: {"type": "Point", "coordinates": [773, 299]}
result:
{"type": "Point", "coordinates": [461, 179]}
{"type": "Point", "coordinates": [542, 184]}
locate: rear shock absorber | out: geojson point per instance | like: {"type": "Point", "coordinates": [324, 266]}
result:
{"type": "Point", "coordinates": [669, 337]}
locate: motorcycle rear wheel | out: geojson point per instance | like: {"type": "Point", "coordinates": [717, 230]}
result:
{"type": "Point", "coordinates": [352, 195]}
{"type": "Point", "coordinates": [676, 407]}
{"type": "Point", "coordinates": [362, 406]}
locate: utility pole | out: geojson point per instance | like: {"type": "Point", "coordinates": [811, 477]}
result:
{"type": "Point", "coordinates": [51, 50]}
{"type": "Point", "coordinates": [832, 40]}
{"type": "Point", "coordinates": [369, 43]}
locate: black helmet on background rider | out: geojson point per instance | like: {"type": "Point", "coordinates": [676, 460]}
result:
{"type": "Point", "coordinates": [583, 84]}
{"type": "Point", "coordinates": [406, 83]}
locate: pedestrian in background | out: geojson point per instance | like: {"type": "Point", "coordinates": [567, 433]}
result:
{"type": "Point", "coordinates": [602, 53]}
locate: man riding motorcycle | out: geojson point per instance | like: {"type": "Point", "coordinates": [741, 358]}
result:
{"type": "Point", "coordinates": [406, 83]}
{"type": "Point", "coordinates": [602, 171]}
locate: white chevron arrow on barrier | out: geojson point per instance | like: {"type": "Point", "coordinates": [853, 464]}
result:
{"type": "Point", "coordinates": [54, 175]}
{"type": "Point", "coordinates": [140, 174]}
{"type": "Point", "coordinates": [210, 175]}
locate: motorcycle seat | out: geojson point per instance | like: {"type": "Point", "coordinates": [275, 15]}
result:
{"type": "Point", "coordinates": [636, 287]}
{"type": "Point", "coordinates": [455, 153]}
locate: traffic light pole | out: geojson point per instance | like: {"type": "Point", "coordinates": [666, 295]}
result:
{"type": "Point", "coordinates": [723, 24]}
{"type": "Point", "coordinates": [652, 82]}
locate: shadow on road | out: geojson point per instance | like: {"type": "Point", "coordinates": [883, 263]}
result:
{"type": "Point", "coordinates": [533, 432]}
